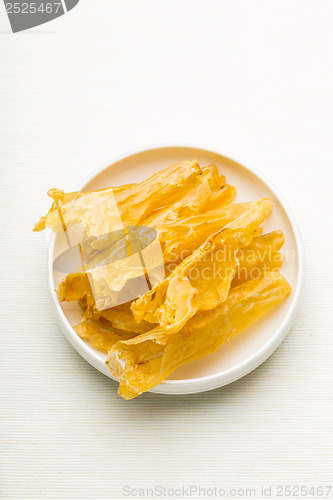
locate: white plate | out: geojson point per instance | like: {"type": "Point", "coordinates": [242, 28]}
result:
{"type": "Point", "coordinates": [249, 349]}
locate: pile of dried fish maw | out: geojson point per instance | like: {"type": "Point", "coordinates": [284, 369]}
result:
{"type": "Point", "coordinates": [220, 273]}
{"type": "Point", "coordinates": [144, 361]}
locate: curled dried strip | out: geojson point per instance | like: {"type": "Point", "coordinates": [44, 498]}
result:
{"type": "Point", "coordinates": [143, 362]}
{"type": "Point", "coordinates": [260, 256]}
{"type": "Point", "coordinates": [119, 317]}
{"type": "Point", "coordinates": [219, 199]}
{"type": "Point", "coordinates": [191, 198]}
{"type": "Point", "coordinates": [100, 338]}
{"type": "Point", "coordinates": [202, 280]}
{"type": "Point", "coordinates": [108, 270]}
{"type": "Point", "coordinates": [104, 211]}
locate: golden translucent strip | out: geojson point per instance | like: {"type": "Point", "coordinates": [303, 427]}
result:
{"type": "Point", "coordinates": [133, 202]}
{"type": "Point", "coordinates": [180, 239]}
{"type": "Point", "coordinates": [199, 282]}
{"type": "Point", "coordinates": [75, 286]}
{"type": "Point", "coordinates": [143, 362]}
{"type": "Point", "coordinates": [105, 340]}
{"type": "Point", "coordinates": [219, 199]}
{"type": "Point", "coordinates": [192, 198]}
{"type": "Point", "coordinates": [202, 280]}
{"type": "Point", "coordinates": [250, 271]}
{"type": "Point", "coordinates": [177, 240]}
{"type": "Point", "coordinates": [260, 256]}
{"type": "Point", "coordinates": [119, 317]}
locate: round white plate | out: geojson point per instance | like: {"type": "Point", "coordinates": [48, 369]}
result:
{"type": "Point", "coordinates": [249, 349]}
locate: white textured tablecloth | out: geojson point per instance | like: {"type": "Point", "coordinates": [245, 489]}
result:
{"type": "Point", "coordinates": [250, 78]}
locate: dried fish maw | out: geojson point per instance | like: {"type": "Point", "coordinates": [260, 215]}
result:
{"type": "Point", "coordinates": [74, 287]}
{"type": "Point", "coordinates": [192, 198]}
{"type": "Point", "coordinates": [260, 256]}
{"type": "Point", "coordinates": [202, 280]}
{"type": "Point", "coordinates": [100, 212]}
{"type": "Point", "coordinates": [122, 280]}
{"type": "Point", "coordinates": [180, 239]}
{"type": "Point", "coordinates": [143, 362]}
{"type": "Point", "coordinates": [119, 317]}
{"type": "Point", "coordinates": [177, 240]}
{"type": "Point", "coordinates": [102, 339]}
{"type": "Point", "coordinates": [199, 282]}
{"type": "Point", "coordinates": [219, 198]}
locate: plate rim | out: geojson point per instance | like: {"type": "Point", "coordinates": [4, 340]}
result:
{"type": "Point", "coordinates": [207, 382]}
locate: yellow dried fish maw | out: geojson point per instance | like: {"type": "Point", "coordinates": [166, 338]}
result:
{"type": "Point", "coordinates": [177, 240]}
{"type": "Point", "coordinates": [249, 222]}
{"type": "Point", "coordinates": [99, 211]}
{"type": "Point", "coordinates": [260, 256]}
{"type": "Point", "coordinates": [111, 279]}
{"type": "Point", "coordinates": [143, 362]}
{"type": "Point", "coordinates": [191, 199]}
{"type": "Point", "coordinates": [199, 282]}
{"type": "Point", "coordinates": [112, 283]}
{"type": "Point", "coordinates": [251, 270]}
{"type": "Point", "coordinates": [264, 246]}
{"type": "Point", "coordinates": [98, 337]}
{"type": "Point", "coordinates": [119, 317]}
{"type": "Point", "coordinates": [75, 286]}
{"type": "Point", "coordinates": [180, 239]}
{"type": "Point", "coordinates": [219, 199]}
{"type": "Point", "coordinates": [202, 280]}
